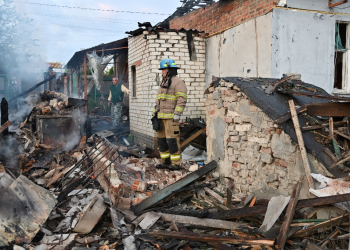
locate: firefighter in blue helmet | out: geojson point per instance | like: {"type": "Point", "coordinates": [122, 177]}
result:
{"type": "Point", "coordinates": [170, 103]}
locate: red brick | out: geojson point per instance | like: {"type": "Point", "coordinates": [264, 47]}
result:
{"type": "Point", "coordinates": [228, 120]}
{"type": "Point", "coordinates": [219, 16]}
{"type": "Point", "coordinates": [266, 150]}
{"type": "Point", "coordinates": [235, 165]}
{"type": "Point", "coordinates": [281, 163]}
{"type": "Point", "coordinates": [212, 112]}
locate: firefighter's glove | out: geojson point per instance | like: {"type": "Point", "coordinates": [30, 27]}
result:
{"type": "Point", "coordinates": [176, 118]}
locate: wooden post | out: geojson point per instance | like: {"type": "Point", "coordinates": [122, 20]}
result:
{"type": "Point", "coordinates": [115, 65]}
{"type": "Point", "coordinates": [85, 82]}
{"type": "Point", "coordinates": [282, 236]}
{"type": "Point", "coordinates": [71, 83]}
{"type": "Point", "coordinates": [301, 144]}
{"type": "Point", "coordinates": [78, 74]}
{"type": "Point", "coordinates": [331, 127]}
{"type": "Point", "coordinates": [4, 114]}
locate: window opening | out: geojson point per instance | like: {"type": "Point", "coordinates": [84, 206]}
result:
{"type": "Point", "coordinates": [133, 75]}
{"type": "Point", "coordinates": [341, 44]}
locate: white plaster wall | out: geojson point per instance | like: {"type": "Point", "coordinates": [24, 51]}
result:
{"type": "Point", "coordinates": [303, 43]}
{"type": "Point", "coordinates": [320, 5]}
{"type": "Point", "coordinates": [246, 51]}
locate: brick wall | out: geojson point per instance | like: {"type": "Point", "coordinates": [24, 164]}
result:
{"type": "Point", "coordinates": [250, 147]}
{"type": "Point", "coordinates": [220, 16]}
{"type": "Point", "coordinates": [145, 55]}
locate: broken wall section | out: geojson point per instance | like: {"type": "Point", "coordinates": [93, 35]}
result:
{"type": "Point", "coordinates": [145, 53]}
{"type": "Point", "coordinates": [222, 15]}
{"type": "Point", "coordinates": [250, 147]}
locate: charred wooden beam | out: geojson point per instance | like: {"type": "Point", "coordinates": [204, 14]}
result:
{"type": "Point", "coordinates": [213, 238]}
{"type": "Point", "coordinates": [332, 5]}
{"type": "Point", "coordinates": [328, 109]}
{"type": "Point", "coordinates": [4, 114]}
{"type": "Point", "coordinates": [313, 202]}
{"type": "Point", "coordinates": [327, 97]}
{"type": "Point", "coordinates": [282, 236]}
{"type": "Point", "coordinates": [32, 88]}
{"type": "Point", "coordinates": [313, 127]}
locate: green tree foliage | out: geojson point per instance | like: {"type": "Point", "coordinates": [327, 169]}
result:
{"type": "Point", "coordinates": [109, 72]}
{"type": "Point", "coordinates": [12, 42]}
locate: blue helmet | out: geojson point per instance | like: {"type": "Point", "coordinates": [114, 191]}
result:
{"type": "Point", "coordinates": [167, 63]}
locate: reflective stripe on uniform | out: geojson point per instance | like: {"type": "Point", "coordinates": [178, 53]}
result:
{"type": "Point", "coordinates": [166, 96]}
{"type": "Point", "coordinates": [181, 94]}
{"type": "Point", "coordinates": [175, 157]}
{"type": "Point", "coordinates": [164, 155]}
{"type": "Point", "coordinates": [179, 109]}
{"type": "Point", "coordinates": [165, 116]}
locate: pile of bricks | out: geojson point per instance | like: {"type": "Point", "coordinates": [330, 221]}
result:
{"type": "Point", "coordinates": [140, 179]}
{"type": "Point", "coordinates": [145, 53]}
{"type": "Point", "coordinates": [258, 155]}
{"type": "Point", "coordinates": [222, 15]}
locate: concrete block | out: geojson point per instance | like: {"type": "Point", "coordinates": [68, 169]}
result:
{"type": "Point", "coordinates": [152, 36]}
{"type": "Point", "coordinates": [164, 37]}
{"type": "Point", "coordinates": [266, 157]}
{"type": "Point", "coordinates": [243, 127]}
{"type": "Point", "coordinates": [159, 41]}
{"type": "Point", "coordinates": [234, 138]}
{"type": "Point", "coordinates": [271, 178]}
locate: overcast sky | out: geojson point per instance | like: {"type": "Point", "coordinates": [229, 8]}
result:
{"type": "Point", "coordinates": [62, 31]}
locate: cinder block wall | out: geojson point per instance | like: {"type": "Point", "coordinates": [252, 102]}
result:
{"type": "Point", "coordinates": [146, 55]}
{"type": "Point", "coordinates": [251, 148]}
{"type": "Point", "coordinates": [222, 15]}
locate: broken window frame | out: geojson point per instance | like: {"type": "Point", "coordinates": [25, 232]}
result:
{"type": "Point", "coordinates": [342, 50]}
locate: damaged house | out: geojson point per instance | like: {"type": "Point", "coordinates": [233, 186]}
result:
{"type": "Point", "coordinates": [147, 47]}
{"type": "Point", "coordinates": [267, 38]}
{"type": "Point", "coordinates": [268, 139]}
{"type": "Point", "coordinates": [251, 135]}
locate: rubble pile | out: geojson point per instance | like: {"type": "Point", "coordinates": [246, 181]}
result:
{"type": "Point", "coordinates": [98, 199]}
{"type": "Point", "coordinates": [106, 194]}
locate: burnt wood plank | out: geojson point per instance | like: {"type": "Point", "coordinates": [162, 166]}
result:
{"type": "Point", "coordinates": [301, 144]}
{"type": "Point", "coordinates": [328, 109]}
{"type": "Point", "coordinates": [313, 202]}
{"type": "Point", "coordinates": [213, 238]}
{"type": "Point", "coordinates": [282, 236]}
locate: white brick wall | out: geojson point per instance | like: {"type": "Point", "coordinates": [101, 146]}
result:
{"type": "Point", "coordinates": [151, 51]}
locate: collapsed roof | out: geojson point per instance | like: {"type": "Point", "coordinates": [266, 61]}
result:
{"type": "Point", "coordinates": [276, 106]}
{"type": "Point", "coordinates": [107, 48]}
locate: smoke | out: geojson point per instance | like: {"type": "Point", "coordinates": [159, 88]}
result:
{"type": "Point", "coordinates": [21, 59]}
{"type": "Point", "coordinates": [73, 139]}
{"type": "Point", "coordinates": [23, 108]}
{"type": "Point", "coordinates": [9, 152]}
